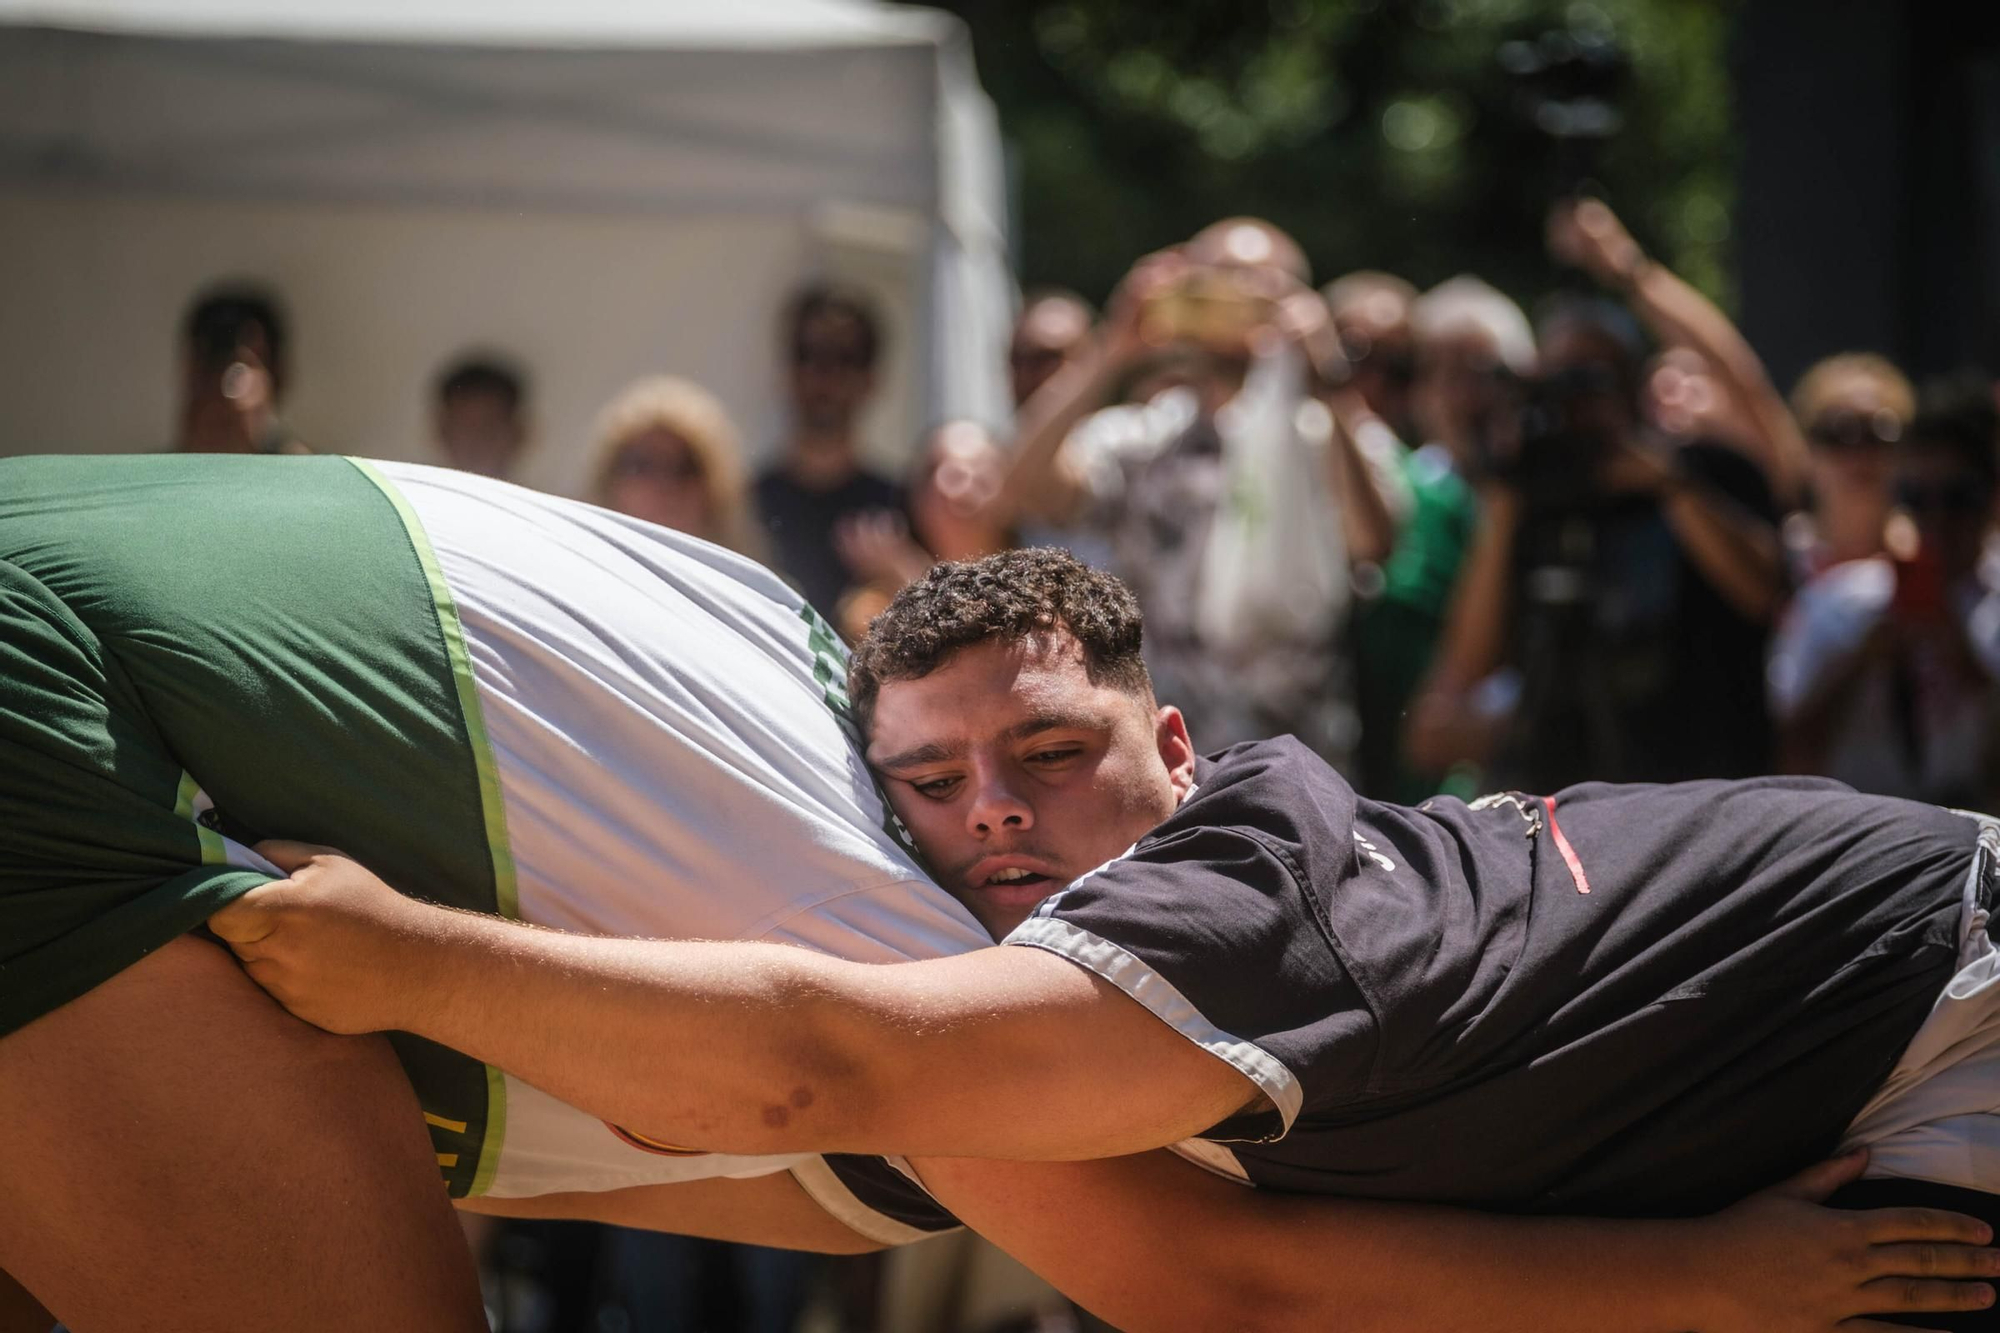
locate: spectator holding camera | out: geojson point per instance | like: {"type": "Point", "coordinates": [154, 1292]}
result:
{"type": "Point", "coordinates": [1885, 672]}
{"type": "Point", "coordinates": [1623, 582]}
{"type": "Point", "coordinates": [1371, 313]}
{"type": "Point", "coordinates": [1708, 382]}
{"type": "Point", "coordinates": [1251, 362]}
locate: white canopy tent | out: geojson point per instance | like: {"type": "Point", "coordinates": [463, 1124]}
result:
{"type": "Point", "coordinates": [602, 188]}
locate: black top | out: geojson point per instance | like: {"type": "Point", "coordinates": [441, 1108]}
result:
{"type": "Point", "coordinates": [1636, 669]}
{"type": "Point", "coordinates": [1639, 1000]}
{"type": "Point", "coordinates": [801, 523]}
{"type": "Point", "coordinates": [1619, 1000]}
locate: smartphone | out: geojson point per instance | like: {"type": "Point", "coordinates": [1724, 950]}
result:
{"type": "Point", "coordinates": [1209, 306]}
{"type": "Point", "coordinates": [1920, 590]}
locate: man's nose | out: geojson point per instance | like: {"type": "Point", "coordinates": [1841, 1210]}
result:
{"type": "Point", "coordinates": [996, 806]}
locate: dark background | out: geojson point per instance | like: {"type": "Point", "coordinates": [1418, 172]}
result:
{"type": "Point", "coordinates": [1828, 169]}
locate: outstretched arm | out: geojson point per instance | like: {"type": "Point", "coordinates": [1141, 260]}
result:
{"type": "Point", "coordinates": [741, 1048]}
{"type": "Point", "coordinates": [1151, 1242]}
{"type": "Point", "coordinates": [761, 1049]}
{"type": "Point", "coordinates": [1585, 232]}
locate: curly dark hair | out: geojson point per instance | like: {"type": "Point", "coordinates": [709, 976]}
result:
{"type": "Point", "coordinates": [1013, 596]}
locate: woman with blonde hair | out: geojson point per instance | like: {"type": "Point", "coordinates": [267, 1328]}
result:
{"type": "Point", "coordinates": [668, 453]}
{"type": "Point", "coordinates": [1854, 409]}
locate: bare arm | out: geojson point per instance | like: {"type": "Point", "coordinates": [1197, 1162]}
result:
{"type": "Point", "coordinates": [1589, 234]}
{"type": "Point", "coordinates": [741, 1048]}
{"type": "Point", "coordinates": [1150, 1242]}
{"type": "Point", "coordinates": [1474, 638]}
{"type": "Point", "coordinates": [680, 1039]}
{"type": "Point", "coordinates": [1364, 513]}
{"type": "Point", "coordinates": [1041, 483]}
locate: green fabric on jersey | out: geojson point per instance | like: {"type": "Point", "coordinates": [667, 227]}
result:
{"type": "Point", "coordinates": [267, 628]}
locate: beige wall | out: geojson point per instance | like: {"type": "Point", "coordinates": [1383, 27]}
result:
{"type": "Point", "coordinates": [91, 291]}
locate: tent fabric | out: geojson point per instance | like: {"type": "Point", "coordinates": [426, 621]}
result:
{"type": "Point", "coordinates": [668, 24]}
{"type": "Point", "coordinates": [767, 119]}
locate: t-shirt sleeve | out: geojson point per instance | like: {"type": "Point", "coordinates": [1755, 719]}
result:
{"type": "Point", "coordinates": [875, 1197]}
{"type": "Point", "coordinates": [1210, 929]}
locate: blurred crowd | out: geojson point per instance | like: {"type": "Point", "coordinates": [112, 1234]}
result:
{"type": "Point", "coordinates": [1455, 545]}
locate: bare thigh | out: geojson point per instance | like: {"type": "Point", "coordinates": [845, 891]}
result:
{"type": "Point", "coordinates": [182, 1156]}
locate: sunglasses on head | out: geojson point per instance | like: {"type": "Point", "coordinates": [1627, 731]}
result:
{"type": "Point", "coordinates": [1855, 430]}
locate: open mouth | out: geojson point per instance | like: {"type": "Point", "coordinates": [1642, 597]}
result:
{"type": "Point", "coordinates": [1015, 877]}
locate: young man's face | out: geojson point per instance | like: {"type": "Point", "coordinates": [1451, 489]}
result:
{"type": "Point", "coordinates": [1016, 774]}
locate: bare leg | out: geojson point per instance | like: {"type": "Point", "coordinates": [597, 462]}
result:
{"type": "Point", "coordinates": [185, 1157]}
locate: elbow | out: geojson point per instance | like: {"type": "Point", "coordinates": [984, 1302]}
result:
{"type": "Point", "coordinates": [817, 1090]}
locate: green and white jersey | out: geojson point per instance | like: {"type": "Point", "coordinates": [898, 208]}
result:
{"type": "Point", "coordinates": [494, 698]}
{"type": "Point", "coordinates": [667, 732]}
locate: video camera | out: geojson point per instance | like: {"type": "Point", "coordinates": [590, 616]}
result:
{"type": "Point", "coordinates": [1567, 85]}
{"type": "Point", "coordinates": [1546, 441]}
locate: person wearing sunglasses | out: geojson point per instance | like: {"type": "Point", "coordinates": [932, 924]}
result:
{"type": "Point", "coordinates": [1854, 408]}
{"type": "Point", "coordinates": [832, 341]}
{"type": "Point", "coordinates": [667, 453]}
{"type": "Point", "coordinates": [1885, 672]}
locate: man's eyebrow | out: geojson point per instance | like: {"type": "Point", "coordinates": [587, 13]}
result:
{"type": "Point", "coordinates": [931, 752]}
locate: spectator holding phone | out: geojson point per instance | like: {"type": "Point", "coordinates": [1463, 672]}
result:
{"type": "Point", "coordinates": [1885, 672]}
{"type": "Point", "coordinates": [1250, 355]}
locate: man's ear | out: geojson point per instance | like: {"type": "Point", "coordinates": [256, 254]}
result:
{"type": "Point", "coordinates": [1170, 733]}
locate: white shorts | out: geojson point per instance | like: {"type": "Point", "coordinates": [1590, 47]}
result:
{"type": "Point", "coordinates": [1937, 1117]}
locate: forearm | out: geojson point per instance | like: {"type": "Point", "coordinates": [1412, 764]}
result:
{"type": "Point", "coordinates": [1472, 642]}
{"type": "Point", "coordinates": [1679, 314]}
{"type": "Point", "coordinates": [1365, 517]}
{"type": "Point", "coordinates": [1738, 555]}
{"type": "Point", "coordinates": [1151, 1243]}
{"type": "Point", "coordinates": [1406, 1268]}
{"type": "Point", "coordinates": [1036, 486]}
{"type": "Point", "coordinates": [725, 1047]}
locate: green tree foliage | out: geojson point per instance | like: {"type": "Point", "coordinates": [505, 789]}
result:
{"type": "Point", "coordinates": [1382, 133]}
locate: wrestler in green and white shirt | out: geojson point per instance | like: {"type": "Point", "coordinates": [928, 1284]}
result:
{"type": "Point", "coordinates": [527, 705]}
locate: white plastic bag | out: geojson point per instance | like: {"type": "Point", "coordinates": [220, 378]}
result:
{"type": "Point", "coordinates": [1275, 566]}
